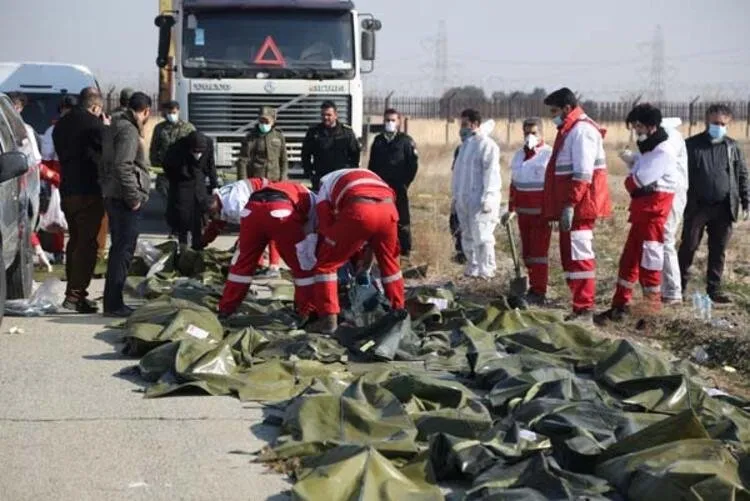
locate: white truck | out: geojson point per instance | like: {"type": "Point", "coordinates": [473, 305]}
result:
{"type": "Point", "coordinates": [224, 59]}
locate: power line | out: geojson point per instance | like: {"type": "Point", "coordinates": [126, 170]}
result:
{"type": "Point", "coordinates": [441, 60]}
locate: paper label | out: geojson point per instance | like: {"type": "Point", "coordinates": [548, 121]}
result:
{"type": "Point", "coordinates": [527, 435]}
{"type": "Point", "coordinates": [197, 332]}
{"type": "Point", "coordinates": [338, 64]}
{"type": "Point", "coordinates": [200, 37]}
{"type": "Point", "coordinates": [441, 303]}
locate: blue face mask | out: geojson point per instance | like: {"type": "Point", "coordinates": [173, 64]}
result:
{"type": "Point", "coordinates": [557, 120]}
{"type": "Point", "coordinates": [264, 128]}
{"type": "Point", "coordinates": [465, 132]}
{"type": "Point", "coordinates": [717, 131]}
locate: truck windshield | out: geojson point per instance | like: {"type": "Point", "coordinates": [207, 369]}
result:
{"type": "Point", "coordinates": [282, 42]}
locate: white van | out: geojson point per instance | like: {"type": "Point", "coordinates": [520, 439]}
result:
{"type": "Point", "coordinates": [44, 84]}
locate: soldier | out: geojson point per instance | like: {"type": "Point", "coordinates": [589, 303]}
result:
{"type": "Point", "coordinates": [124, 98]}
{"type": "Point", "coordinates": [329, 146]}
{"type": "Point", "coordinates": [168, 132]}
{"type": "Point", "coordinates": [393, 157]}
{"type": "Point", "coordinates": [263, 152]}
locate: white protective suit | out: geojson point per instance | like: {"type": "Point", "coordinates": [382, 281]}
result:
{"type": "Point", "coordinates": [48, 145]}
{"type": "Point", "coordinates": [477, 196]}
{"type": "Point", "coordinates": [671, 284]}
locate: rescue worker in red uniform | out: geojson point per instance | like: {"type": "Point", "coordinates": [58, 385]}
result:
{"type": "Point", "coordinates": [528, 167]}
{"type": "Point", "coordinates": [576, 194]}
{"type": "Point", "coordinates": [651, 184]}
{"type": "Point", "coordinates": [355, 207]}
{"type": "Point", "coordinates": [282, 212]}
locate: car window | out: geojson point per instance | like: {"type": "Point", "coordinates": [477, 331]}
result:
{"type": "Point", "coordinates": [14, 120]}
{"type": "Point", "coordinates": [6, 136]}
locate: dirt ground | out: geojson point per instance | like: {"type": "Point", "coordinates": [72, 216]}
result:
{"type": "Point", "coordinates": [721, 349]}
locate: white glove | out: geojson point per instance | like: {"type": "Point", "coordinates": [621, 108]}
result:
{"type": "Point", "coordinates": [486, 207]}
{"type": "Point", "coordinates": [746, 215]}
{"type": "Point", "coordinates": [215, 192]}
{"type": "Point", "coordinates": [43, 257]}
{"type": "Point", "coordinates": [627, 156]}
{"type": "Point", "coordinates": [566, 218]}
{"type": "Point", "coordinates": [306, 252]}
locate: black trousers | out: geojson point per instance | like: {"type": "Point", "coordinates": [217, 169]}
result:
{"type": "Point", "coordinates": [84, 215]}
{"type": "Point", "coordinates": [123, 227]}
{"type": "Point", "coordinates": [195, 231]}
{"type": "Point", "coordinates": [456, 232]}
{"type": "Point", "coordinates": [716, 220]}
{"type": "Point", "coordinates": [404, 219]}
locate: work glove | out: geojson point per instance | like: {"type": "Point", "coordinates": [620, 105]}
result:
{"type": "Point", "coordinates": [627, 156]}
{"type": "Point", "coordinates": [306, 252]}
{"type": "Point", "coordinates": [566, 218]}
{"type": "Point", "coordinates": [506, 218]}
{"type": "Point", "coordinates": [486, 207]}
{"type": "Point", "coordinates": [642, 192]}
{"type": "Point", "coordinates": [43, 257]}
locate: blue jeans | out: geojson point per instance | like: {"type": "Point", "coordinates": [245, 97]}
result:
{"type": "Point", "coordinates": [123, 228]}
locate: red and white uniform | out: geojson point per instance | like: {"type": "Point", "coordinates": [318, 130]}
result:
{"type": "Point", "coordinates": [577, 176]}
{"type": "Point", "coordinates": [355, 206]}
{"type": "Point", "coordinates": [286, 220]}
{"type": "Point", "coordinates": [527, 200]}
{"type": "Point", "coordinates": [49, 171]}
{"type": "Point", "coordinates": [643, 256]}
{"type": "Point", "coordinates": [233, 199]}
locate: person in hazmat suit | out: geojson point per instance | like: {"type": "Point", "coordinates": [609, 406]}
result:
{"type": "Point", "coordinates": [476, 195]}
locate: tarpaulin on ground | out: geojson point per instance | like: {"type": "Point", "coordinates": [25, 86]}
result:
{"type": "Point", "coordinates": [499, 403]}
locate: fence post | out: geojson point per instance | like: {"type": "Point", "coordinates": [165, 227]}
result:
{"type": "Point", "coordinates": [388, 100]}
{"type": "Point", "coordinates": [511, 117]}
{"type": "Point", "coordinates": [691, 115]}
{"type": "Point", "coordinates": [406, 125]}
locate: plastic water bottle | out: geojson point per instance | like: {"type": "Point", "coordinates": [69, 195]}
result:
{"type": "Point", "coordinates": [697, 306]}
{"type": "Point", "coordinates": [707, 307]}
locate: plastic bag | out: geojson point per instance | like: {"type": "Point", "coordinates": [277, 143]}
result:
{"type": "Point", "coordinates": [44, 300]}
{"type": "Point", "coordinates": [146, 250]}
{"type": "Point", "coordinates": [53, 221]}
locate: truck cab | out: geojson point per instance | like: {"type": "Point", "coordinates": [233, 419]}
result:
{"type": "Point", "coordinates": [222, 60]}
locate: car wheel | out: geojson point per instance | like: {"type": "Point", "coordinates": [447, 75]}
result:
{"type": "Point", "coordinates": [2, 288]}
{"type": "Point", "coordinates": [21, 273]}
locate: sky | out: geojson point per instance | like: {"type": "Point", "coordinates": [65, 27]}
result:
{"type": "Point", "coordinates": [600, 48]}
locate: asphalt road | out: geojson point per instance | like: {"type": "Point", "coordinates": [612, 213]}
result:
{"type": "Point", "coordinates": [72, 428]}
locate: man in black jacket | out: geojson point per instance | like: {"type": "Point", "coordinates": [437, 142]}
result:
{"type": "Point", "coordinates": [393, 157]}
{"type": "Point", "coordinates": [718, 187]}
{"type": "Point", "coordinates": [83, 145]}
{"type": "Point", "coordinates": [329, 146]}
{"type": "Point", "coordinates": [187, 164]}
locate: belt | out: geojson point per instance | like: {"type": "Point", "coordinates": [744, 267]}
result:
{"type": "Point", "coordinates": [269, 196]}
{"type": "Point", "coordinates": [370, 200]}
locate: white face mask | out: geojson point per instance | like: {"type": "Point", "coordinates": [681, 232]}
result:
{"type": "Point", "coordinates": [641, 137]}
{"type": "Point", "coordinates": [390, 126]}
{"type": "Point", "coordinates": [531, 141]}
{"type": "Point", "coordinates": [173, 117]}
{"type": "Point", "coordinates": [197, 156]}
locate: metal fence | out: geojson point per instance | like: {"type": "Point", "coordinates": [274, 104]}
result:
{"type": "Point", "coordinates": [441, 108]}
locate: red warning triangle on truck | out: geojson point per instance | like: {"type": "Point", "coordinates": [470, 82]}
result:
{"type": "Point", "coordinates": [269, 45]}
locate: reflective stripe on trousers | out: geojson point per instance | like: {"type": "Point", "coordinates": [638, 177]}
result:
{"type": "Point", "coordinates": [579, 263]}
{"type": "Point", "coordinates": [641, 262]}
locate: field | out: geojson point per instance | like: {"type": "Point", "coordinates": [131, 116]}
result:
{"type": "Point", "coordinates": [673, 328]}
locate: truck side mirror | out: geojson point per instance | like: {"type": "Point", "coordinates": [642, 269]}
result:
{"type": "Point", "coordinates": [164, 23]}
{"type": "Point", "coordinates": [12, 165]}
{"type": "Point", "coordinates": [368, 45]}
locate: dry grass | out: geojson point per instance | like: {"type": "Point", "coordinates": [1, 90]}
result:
{"type": "Point", "coordinates": [433, 244]}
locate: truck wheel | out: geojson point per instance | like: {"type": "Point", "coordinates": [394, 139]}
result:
{"type": "Point", "coordinates": [21, 272]}
{"type": "Point", "coordinates": [2, 288]}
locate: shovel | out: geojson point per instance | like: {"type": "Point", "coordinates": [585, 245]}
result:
{"type": "Point", "coordinates": [520, 283]}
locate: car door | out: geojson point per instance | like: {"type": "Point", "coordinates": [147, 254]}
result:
{"type": "Point", "coordinates": [8, 200]}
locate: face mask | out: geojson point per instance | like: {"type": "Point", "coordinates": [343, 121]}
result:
{"type": "Point", "coordinates": [264, 128]}
{"type": "Point", "coordinates": [464, 133]}
{"type": "Point", "coordinates": [557, 120]}
{"type": "Point", "coordinates": [717, 131]}
{"type": "Point", "coordinates": [641, 137]}
{"type": "Point", "coordinates": [390, 127]}
{"type": "Point", "coordinates": [531, 141]}
{"type": "Point", "coordinates": [172, 117]}
{"type": "Point", "coordinates": [197, 155]}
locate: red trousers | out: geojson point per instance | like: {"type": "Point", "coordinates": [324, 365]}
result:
{"type": "Point", "coordinates": [642, 261]}
{"type": "Point", "coordinates": [215, 227]}
{"type": "Point", "coordinates": [356, 224]}
{"type": "Point", "coordinates": [268, 221]}
{"type": "Point", "coordinates": [535, 237]}
{"type": "Point", "coordinates": [579, 263]}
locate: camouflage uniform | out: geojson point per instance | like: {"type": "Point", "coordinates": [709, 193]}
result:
{"type": "Point", "coordinates": [165, 135]}
{"type": "Point", "coordinates": [263, 155]}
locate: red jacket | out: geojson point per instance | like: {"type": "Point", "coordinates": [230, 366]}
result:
{"type": "Point", "coordinates": [339, 187]}
{"type": "Point", "coordinates": [528, 169]}
{"type": "Point", "coordinates": [49, 170]}
{"type": "Point", "coordinates": [577, 173]}
{"type": "Point", "coordinates": [651, 183]}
